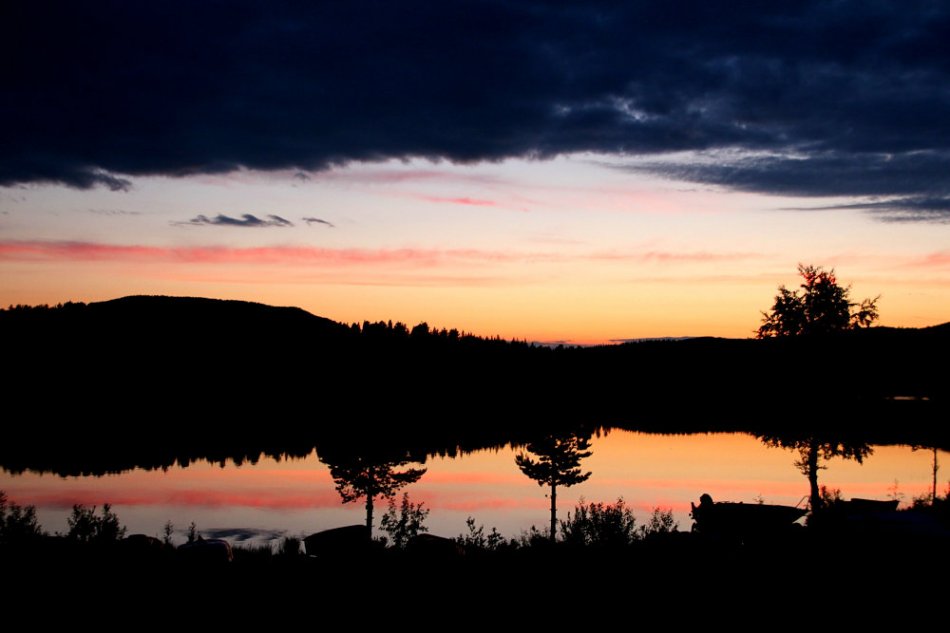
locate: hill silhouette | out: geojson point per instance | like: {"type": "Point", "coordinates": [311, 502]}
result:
{"type": "Point", "coordinates": [169, 378]}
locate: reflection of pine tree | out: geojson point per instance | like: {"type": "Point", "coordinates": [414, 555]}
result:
{"type": "Point", "coordinates": [357, 477]}
{"type": "Point", "coordinates": [812, 450]}
{"type": "Point", "coordinates": [558, 464]}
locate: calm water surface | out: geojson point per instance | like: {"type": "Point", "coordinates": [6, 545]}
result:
{"type": "Point", "coordinates": [272, 498]}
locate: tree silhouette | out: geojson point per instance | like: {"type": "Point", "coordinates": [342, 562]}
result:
{"type": "Point", "coordinates": [558, 464]}
{"type": "Point", "coordinates": [934, 466]}
{"type": "Point", "coordinates": [812, 449]}
{"type": "Point", "coordinates": [366, 477]}
{"type": "Point", "coordinates": [822, 306]}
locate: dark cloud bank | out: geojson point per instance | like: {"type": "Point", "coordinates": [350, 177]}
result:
{"type": "Point", "coordinates": [812, 98]}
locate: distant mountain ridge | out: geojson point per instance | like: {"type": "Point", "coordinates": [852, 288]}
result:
{"type": "Point", "coordinates": [185, 305]}
{"type": "Point", "coordinates": [176, 311]}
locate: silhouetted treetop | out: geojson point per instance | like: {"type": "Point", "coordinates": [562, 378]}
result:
{"type": "Point", "coordinates": [821, 307]}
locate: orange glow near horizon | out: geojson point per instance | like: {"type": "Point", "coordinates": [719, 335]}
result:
{"type": "Point", "coordinates": [566, 250]}
{"type": "Point", "coordinates": [451, 289]}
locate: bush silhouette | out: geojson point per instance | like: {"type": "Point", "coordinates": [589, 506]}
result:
{"type": "Point", "coordinates": [86, 527]}
{"type": "Point", "coordinates": [17, 523]}
{"type": "Point", "coordinates": [600, 524]}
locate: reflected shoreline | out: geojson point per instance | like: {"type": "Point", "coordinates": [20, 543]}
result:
{"type": "Point", "coordinates": [89, 453]}
{"type": "Point", "coordinates": [294, 496]}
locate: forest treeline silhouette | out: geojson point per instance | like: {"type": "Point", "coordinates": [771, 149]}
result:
{"type": "Point", "coordinates": [175, 379]}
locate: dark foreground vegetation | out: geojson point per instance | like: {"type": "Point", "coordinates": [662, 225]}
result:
{"type": "Point", "coordinates": [602, 561]}
{"type": "Point", "coordinates": [167, 380]}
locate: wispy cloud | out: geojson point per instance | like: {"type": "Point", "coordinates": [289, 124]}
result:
{"type": "Point", "coordinates": [312, 220]}
{"type": "Point", "coordinates": [247, 220]}
{"type": "Point", "coordinates": [7, 195]}
{"type": "Point", "coordinates": [902, 187]}
{"type": "Point", "coordinates": [307, 255]}
{"type": "Point", "coordinates": [402, 172]}
{"type": "Point", "coordinates": [900, 209]}
{"type": "Point", "coordinates": [302, 255]}
{"type": "Point", "coordinates": [470, 202]}
{"type": "Point", "coordinates": [670, 256]}
{"type": "Point", "coordinates": [113, 212]}
{"type": "Point", "coordinates": [939, 259]}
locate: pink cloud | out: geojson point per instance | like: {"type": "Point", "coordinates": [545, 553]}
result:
{"type": "Point", "coordinates": [939, 259]}
{"type": "Point", "coordinates": [377, 279]}
{"type": "Point", "coordinates": [34, 251]}
{"type": "Point", "coordinates": [472, 202]}
{"type": "Point", "coordinates": [668, 256]}
{"type": "Point", "coordinates": [91, 251]}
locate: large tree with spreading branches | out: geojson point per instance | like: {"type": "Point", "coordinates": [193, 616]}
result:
{"type": "Point", "coordinates": [820, 306]}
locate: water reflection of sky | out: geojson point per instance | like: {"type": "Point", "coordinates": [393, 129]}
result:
{"type": "Point", "coordinates": [298, 496]}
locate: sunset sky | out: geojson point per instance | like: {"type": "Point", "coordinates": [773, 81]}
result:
{"type": "Point", "coordinates": [581, 172]}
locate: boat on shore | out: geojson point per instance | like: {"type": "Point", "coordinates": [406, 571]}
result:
{"type": "Point", "coordinates": [725, 518]}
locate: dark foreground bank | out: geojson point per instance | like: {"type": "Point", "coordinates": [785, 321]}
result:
{"type": "Point", "coordinates": [681, 580]}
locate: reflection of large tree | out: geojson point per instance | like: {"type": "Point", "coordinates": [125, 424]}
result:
{"type": "Point", "coordinates": [935, 467]}
{"type": "Point", "coordinates": [558, 464]}
{"type": "Point", "coordinates": [359, 476]}
{"type": "Point", "coordinates": [813, 449]}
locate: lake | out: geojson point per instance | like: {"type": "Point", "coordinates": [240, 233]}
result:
{"type": "Point", "coordinates": [270, 498]}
